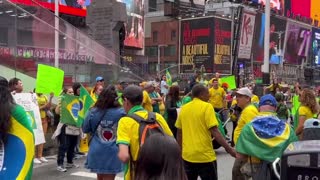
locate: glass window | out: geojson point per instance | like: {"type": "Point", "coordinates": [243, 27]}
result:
{"type": "Point", "coordinates": [152, 51]}
{"type": "Point", "coordinates": [170, 50]}
{"type": "Point", "coordinates": [155, 36]}
{"type": "Point", "coordinates": [173, 35]}
{"type": "Point", "coordinates": [152, 6]}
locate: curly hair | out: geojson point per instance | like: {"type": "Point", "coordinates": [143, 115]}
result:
{"type": "Point", "coordinates": [308, 98]}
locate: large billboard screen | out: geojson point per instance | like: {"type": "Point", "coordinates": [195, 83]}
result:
{"type": "Point", "coordinates": [246, 36]}
{"type": "Point", "coordinates": [205, 43]}
{"type": "Point", "coordinates": [135, 23]}
{"type": "Point", "coordinates": [277, 35]}
{"type": "Point", "coordinates": [316, 46]}
{"type": "Point", "coordinates": [297, 43]}
{"type": "Point", "coordinates": [196, 44]}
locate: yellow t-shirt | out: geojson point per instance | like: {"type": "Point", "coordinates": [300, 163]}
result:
{"type": "Point", "coordinates": [42, 100]}
{"type": "Point", "coordinates": [195, 120]}
{"type": "Point", "coordinates": [305, 111]}
{"type": "Point", "coordinates": [217, 97]}
{"type": "Point", "coordinates": [128, 133]}
{"type": "Point", "coordinates": [255, 99]}
{"type": "Point", "coordinates": [246, 116]}
{"type": "Point", "coordinates": [146, 102]}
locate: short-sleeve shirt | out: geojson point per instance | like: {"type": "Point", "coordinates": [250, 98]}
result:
{"type": "Point", "coordinates": [128, 133]}
{"type": "Point", "coordinates": [305, 111]}
{"type": "Point", "coordinates": [163, 89]}
{"type": "Point", "coordinates": [195, 120]}
{"type": "Point", "coordinates": [246, 116]}
{"type": "Point", "coordinates": [216, 97]}
{"type": "Point", "coordinates": [146, 102]}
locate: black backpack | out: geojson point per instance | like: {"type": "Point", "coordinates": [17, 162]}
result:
{"type": "Point", "coordinates": [147, 127]}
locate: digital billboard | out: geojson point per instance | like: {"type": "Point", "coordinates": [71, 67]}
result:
{"type": "Point", "coordinates": [246, 36]}
{"type": "Point", "coordinates": [316, 46]}
{"type": "Point", "coordinates": [222, 46]}
{"type": "Point", "coordinates": [135, 23]}
{"type": "Point", "coordinates": [274, 4]}
{"type": "Point", "coordinates": [297, 43]}
{"type": "Point", "coordinates": [277, 35]}
{"type": "Point", "coordinates": [205, 43]}
{"type": "Point", "coordinates": [196, 44]}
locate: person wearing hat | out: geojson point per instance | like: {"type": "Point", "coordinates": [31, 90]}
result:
{"type": "Point", "coordinates": [256, 142]}
{"type": "Point", "coordinates": [128, 128]}
{"type": "Point", "coordinates": [249, 111]}
{"type": "Point", "coordinates": [94, 93]}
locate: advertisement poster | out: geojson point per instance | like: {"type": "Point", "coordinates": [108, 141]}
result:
{"type": "Point", "coordinates": [316, 46]}
{"type": "Point", "coordinates": [29, 102]}
{"type": "Point", "coordinates": [135, 23]}
{"type": "Point", "coordinates": [298, 40]}
{"type": "Point", "coordinates": [196, 45]}
{"type": "Point", "coordinates": [246, 36]}
{"type": "Point", "coordinates": [277, 35]}
{"type": "Point", "coordinates": [222, 46]}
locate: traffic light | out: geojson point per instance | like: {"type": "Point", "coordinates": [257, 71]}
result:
{"type": "Point", "coordinates": [122, 37]}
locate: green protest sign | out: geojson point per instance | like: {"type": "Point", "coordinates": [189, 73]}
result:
{"type": "Point", "coordinates": [230, 80]}
{"type": "Point", "coordinates": [49, 79]}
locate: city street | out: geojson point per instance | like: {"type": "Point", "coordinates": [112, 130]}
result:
{"type": "Point", "coordinates": [47, 171]}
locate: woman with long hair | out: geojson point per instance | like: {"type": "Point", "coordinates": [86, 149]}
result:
{"type": "Point", "coordinates": [16, 137]}
{"type": "Point", "coordinates": [160, 159]}
{"type": "Point", "coordinates": [173, 102]}
{"type": "Point", "coordinates": [67, 136]}
{"type": "Point", "coordinates": [308, 108]}
{"type": "Point", "coordinates": [102, 122]}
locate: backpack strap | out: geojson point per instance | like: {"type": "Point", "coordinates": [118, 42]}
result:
{"type": "Point", "coordinates": [151, 118]}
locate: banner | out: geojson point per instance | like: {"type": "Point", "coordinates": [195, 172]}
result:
{"type": "Point", "coordinates": [30, 104]}
{"type": "Point", "coordinates": [222, 46]}
{"type": "Point", "coordinates": [230, 80]}
{"type": "Point", "coordinates": [70, 107]}
{"type": "Point", "coordinates": [315, 46]}
{"type": "Point", "coordinates": [298, 38]}
{"type": "Point", "coordinates": [277, 35]}
{"type": "Point", "coordinates": [246, 36]}
{"type": "Point", "coordinates": [49, 79]}
{"type": "Point", "coordinates": [196, 44]}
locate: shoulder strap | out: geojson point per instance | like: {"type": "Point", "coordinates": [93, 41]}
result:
{"type": "Point", "coordinates": [151, 118]}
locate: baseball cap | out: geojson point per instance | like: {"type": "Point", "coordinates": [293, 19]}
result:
{"type": "Point", "coordinates": [245, 91]}
{"type": "Point", "coordinates": [99, 78]}
{"type": "Point", "coordinates": [311, 123]}
{"type": "Point", "coordinates": [268, 99]}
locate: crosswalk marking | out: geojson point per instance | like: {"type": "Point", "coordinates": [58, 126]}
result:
{"type": "Point", "coordinates": [92, 175]}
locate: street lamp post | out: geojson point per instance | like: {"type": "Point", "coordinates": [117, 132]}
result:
{"type": "Point", "coordinates": [158, 65]}
{"type": "Point", "coordinates": [265, 67]}
{"type": "Point", "coordinates": [56, 34]}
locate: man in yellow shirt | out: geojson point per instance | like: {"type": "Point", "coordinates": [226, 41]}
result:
{"type": "Point", "coordinates": [128, 128]}
{"type": "Point", "coordinates": [197, 124]}
{"type": "Point", "coordinates": [217, 96]}
{"type": "Point", "coordinates": [249, 111]}
{"type": "Point", "coordinates": [147, 101]}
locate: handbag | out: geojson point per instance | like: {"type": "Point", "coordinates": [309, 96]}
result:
{"type": "Point", "coordinates": [72, 130]}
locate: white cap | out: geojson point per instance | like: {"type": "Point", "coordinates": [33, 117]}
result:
{"type": "Point", "coordinates": [245, 91]}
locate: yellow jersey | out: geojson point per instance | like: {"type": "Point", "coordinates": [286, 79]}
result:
{"type": "Point", "coordinates": [217, 97]}
{"type": "Point", "coordinates": [305, 111]}
{"type": "Point", "coordinates": [128, 134]}
{"type": "Point", "coordinates": [42, 100]}
{"type": "Point", "coordinates": [246, 116]}
{"type": "Point", "coordinates": [146, 102]}
{"type": "Point", "coordinates": [195, 119]}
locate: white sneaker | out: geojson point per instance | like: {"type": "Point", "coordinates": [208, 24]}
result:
{"type": "Point", "coordinates": [42, 159]}
{"type": "Point", "coordinates": [72, 165]}
{"type": "Point", "coordinates": [61, 169]}
{"type": "Point", "coordinates": [36, 161]}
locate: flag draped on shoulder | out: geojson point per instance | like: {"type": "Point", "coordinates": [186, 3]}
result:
{"type": "Point", "coordinates": [70, 107]}
{"type": "Point", "coordinates": [86, 102]}
{"type": "Point", "coordinates": [266, 137]}
{"type": "Point", "coordinates": [168, 78]}
{"type": "Point", "coordinates": [16, 155]}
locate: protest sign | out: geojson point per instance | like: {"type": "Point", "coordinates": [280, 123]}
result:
{"type": "Point", "coordinates": [49, 79]}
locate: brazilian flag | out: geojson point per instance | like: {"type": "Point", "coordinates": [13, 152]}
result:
{"type": "Point", "coordinates": [70, 107]}
{"type": "Point", "coordinates": [86, 102]}
{"type": "Point", "coordinates": [168, 78]}
{"type": "Point", "coordinates": [16, 156]}
{"type": "Point", "coordinates": [266, 137]}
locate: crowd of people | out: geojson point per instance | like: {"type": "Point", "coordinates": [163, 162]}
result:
{"type": "Point", "coordinates": [151, 130]}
